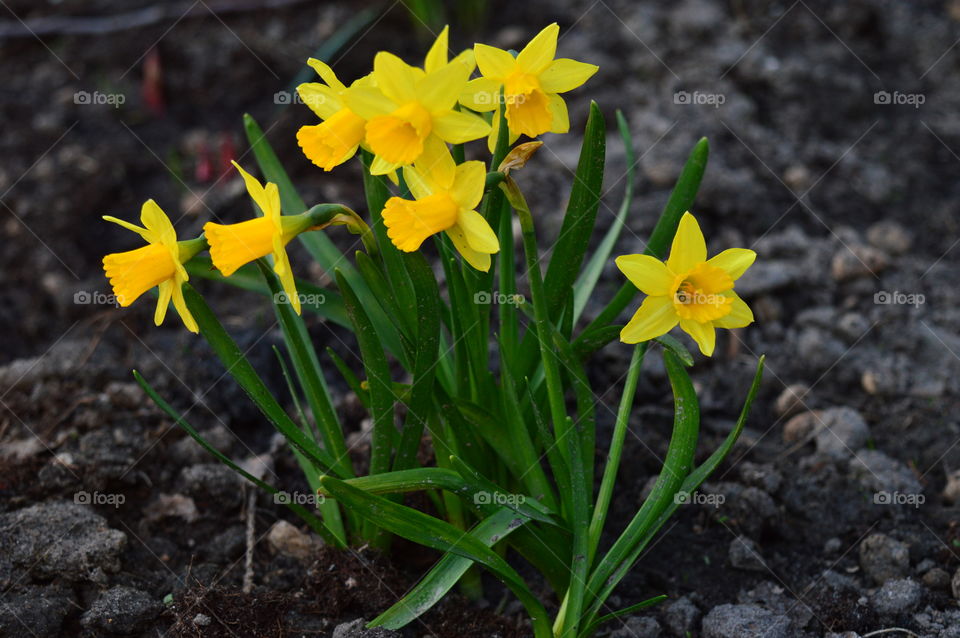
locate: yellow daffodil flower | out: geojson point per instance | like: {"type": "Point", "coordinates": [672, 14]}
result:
{"type": "Point", "coordinates": [688, 289]}
{"type": "Point", "coordinates": [159, 263]}
{"type": "Point", "coordinates": [531, 85]}
{"type": "Point", "coordinates": [446, 197]}
{"type": "Point", "coordinates": [409, 107]}
{"type": "Point", "coordinates": [233, 245]}
{"type": "Point", "coordinates": [337, 137]}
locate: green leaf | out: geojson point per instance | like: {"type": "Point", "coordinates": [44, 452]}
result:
{"type": "Point", "coordinates": [601, 257]}
{"type": "Point", "coordinates": [378, 377]}
{"type": "Point", "coordinates": [445, 574]}
{"type": "Point", "coordinates": [434, 533]}
{"type": "Point", "coordinates": [676, 467]}
{"type": "Point", "coordinates": [574, 238]}
{"type": "Point", "coordinates": [425, 359]}
{"type": "Point", "coordinates": [673, 345]}
{"type": "Point", "coordinates": [592, 628]}
{"type": "Point", "coordinates": [690, 484]}
{"type": "Point", "coordinates": [246, 377]}
{"type": "Point", "coordinates": [309, 373]}
{"type": "Point", "coordinates": [308, 517]}
{"type": "Point", "coordinates": [320, 301]}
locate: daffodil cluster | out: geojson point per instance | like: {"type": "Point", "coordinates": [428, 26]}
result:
{"type": "Point", "coordinates": [489, 412]}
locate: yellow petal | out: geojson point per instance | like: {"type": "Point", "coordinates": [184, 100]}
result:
{"type": "Point", "coordinates": [395, 78]}
{"type": "Point", "coordinates": [157, 222]}
{"type": "Point", "coordinates": [739, 316]}
{"type": "Point", "coordinates": [689, 247]}
{"type": "Point", "coordinates": [134, 272]}
{"type": "Point", "coordinates": [468, 185]}
{"type": "Point", "coordinates": [477, 230]}
{"type": "Point", "coordinates": [565, 74]}
{"type": "Point", "coordinates": [494, 63]}
{"type": "Point", "coordinates": [438, 91]}
{"type": "Point", "coordinates": [560, 122]}
{"type": "Point", "coordinates": [457, 127]}
{"type": "Point", "coordinates": [481, 94]}
{"type": "Point", "coordinates": [419, 186]}
{"type": "Point", "coordinates": [399, 137]}
{"type": "Point", "coordinates": [143, 232]}
{"type": "Point", "coordinates": [321, 99]}
{"type": "Point", "coordinates": [368, 102]}
{"type": "Point", "coordinates": [233, 245]}
{"type": "Point", "coordinates": [540, 51]}
{"type": "Point", "coordinates": [334, 141]}
{"type": "Point", "coordinates": [381, 166]}
{"type": "Point", "coordinates": [268, 200]}
{"type": "Point", "coordinates": [479, 261]}
{"type": "Point", "coordinates": [166, 291]}
{"type": "Point", "coordinates": [468, 59]}
{"type": "Point", "coordinates": [436, 164]}
{"type": "Point", "coordinates": [655, 317]}
{"type": "Point", "coordinates": [437, 55]}
{"type": "Point", "coordinates": [326, 74]}
{"type": "Point", "coordinates": [409, 223]}
{"type": "Point", "coordinates": [530, 113]}
{"type": "Point", "coordinates": [647, 273]}
{"type": "Point", "coordinates": [281, 266]}
{"type": "Point", "coordinates": [181, 306]}
{"type": "Point", "coordinates": [734, 261]}
{"type": "Point", "coordinates": [703, 333]}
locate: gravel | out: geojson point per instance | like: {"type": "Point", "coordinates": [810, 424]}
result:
{"type": "Point", "coordinates": [883, 558]}
{"type": "Point", "coordinates": [745, 621]}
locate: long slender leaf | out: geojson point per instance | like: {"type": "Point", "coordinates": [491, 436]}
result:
{"type": "Point", "coordinates": [445, 574]}
{"type": "Point", "coordinates": [243, 373]}
{"type": "Point", "coordinates": [676, 467]}
{"type": "Point", "coordinates": [571, 246]}
{"type": "Point", "coordinates": [601, 257]}
{"type": "Point", "coordinates": [431, 532]}
{"type": "Point", "coordinates": [309, 374]}
{"type": "Point", "coordinates": [308, 517]}
{"type": "Point", "coordinates": [592, 627]}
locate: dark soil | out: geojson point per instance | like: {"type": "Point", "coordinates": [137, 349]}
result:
{"type": "Point", "coordinates": [846, 195]}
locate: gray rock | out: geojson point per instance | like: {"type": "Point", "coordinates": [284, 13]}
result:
{"type": "Point", "coordinates": [356, 629]}
{"type": "Point", "coordinates": [637, 627]}
{"type": "Point", "coordinates": [897, 597]}
{"type": "Point", "coordinates": [744, 554]}
{"type": "Point", "coordinates": [41, 609]}
{"type": "Point", "coordinates": [955, 584]}
{"type": "Point", "coordinates": [881, 474]}
{"type": "Point", "coordinates": [890, 237]}
{"type": "Point", "coordinates": [832, 546]}
{"type": "Point", "coordinates": [681, 616]}
{"type": "Point", "coordinates": [745, 621]}
{"type": "Point", "coordinates": [57, 539]}
{"type": "Point", "coordinates": [753, 509]}
{"type": "Point", "coordinates": [842, 431]}
{"type": "Point", "coordinates": [286, 539]}
{"type": "Point", "coordinates": [764, 476]}
{"type": "Point", "coordinates": [937, 578]}
{"type": "Point", "coordinates": [768, 275]}
{"type": "Point", "coordinates": [855, 261]}
{"type": "Point", "coordinates": [883, 558]}
{"type": "Point", "coordinates": [792, 399]}
{"type": "Point", "coordinates": [121, 610]}
{"type": "Point", "coordinates": [212, 483]}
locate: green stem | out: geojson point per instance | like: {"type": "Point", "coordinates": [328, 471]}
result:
{"type": "Point", "coordinates": [616, 450]}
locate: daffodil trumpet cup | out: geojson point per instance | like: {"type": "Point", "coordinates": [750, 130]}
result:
{"type": "Point", "coordinates": [472, 363]}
